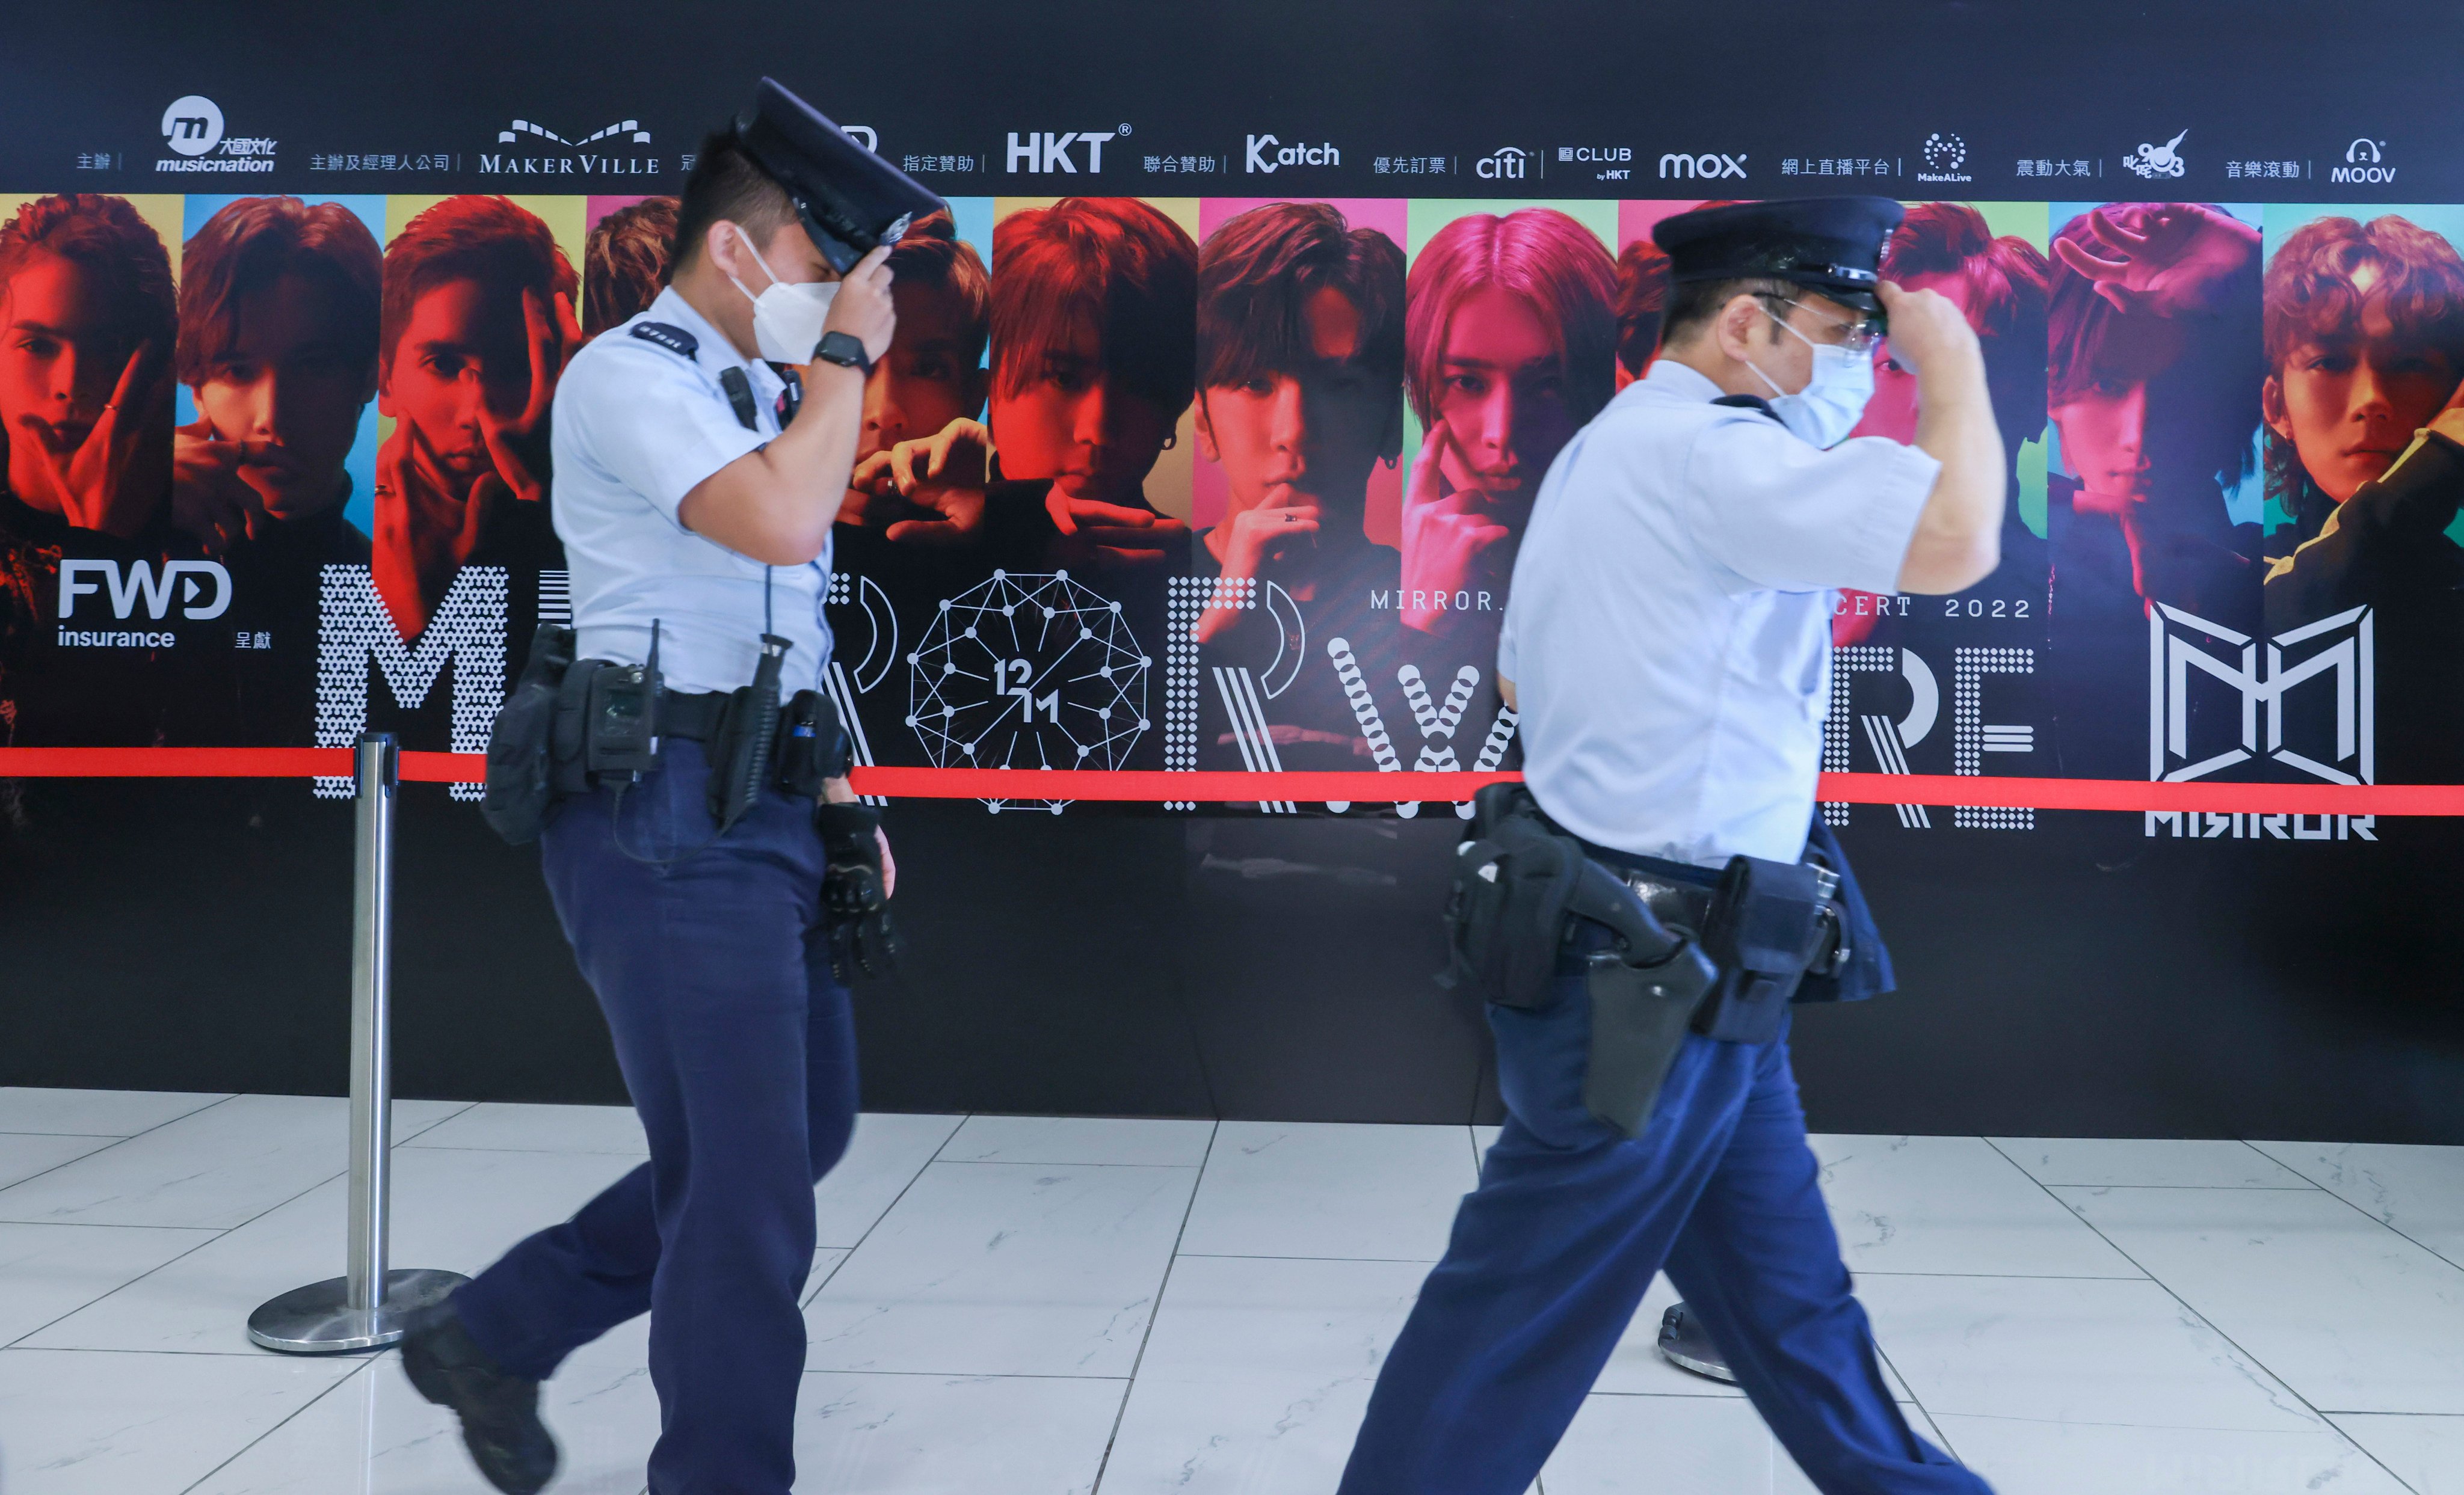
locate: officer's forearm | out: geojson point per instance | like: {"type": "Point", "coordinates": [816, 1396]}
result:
{"type": "Point", "coordinates": [777, 505]}
{"type": "Point", "coordinates": [1958, 539]}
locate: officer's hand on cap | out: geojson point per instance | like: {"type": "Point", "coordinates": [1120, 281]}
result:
{"type": "Point", "coordinates": [1926, 325]}
{"type": "Point", "coordinates": [862, 308]}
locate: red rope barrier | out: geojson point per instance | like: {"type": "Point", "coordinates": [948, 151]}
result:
{"type": "Point", "coordinates": [1367, 788]}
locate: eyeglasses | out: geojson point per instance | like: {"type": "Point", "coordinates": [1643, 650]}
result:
{"type": "Point", "coordinates": [1860, 335]}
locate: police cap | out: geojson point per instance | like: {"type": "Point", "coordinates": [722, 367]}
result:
{"type": "Point", "coordinates": [850, 199]}
{"type": "Point", "coordinates": [1832, 246]}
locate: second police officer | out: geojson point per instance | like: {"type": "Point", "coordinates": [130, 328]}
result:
{"type": "Point", "coordinates": [688, 862]}
{"type": "Point", "coordinates": [1667, 642]}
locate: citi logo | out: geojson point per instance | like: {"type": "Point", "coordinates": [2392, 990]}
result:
{"type": "Point", "coordinates": [1049, 150]}
{"type": "Point", "coordinates": [2364, 161]}
{"type": "Point", "coordinates": [141, 583]}
{"type": "Point", "coordinates": [1709, 165]}
{"type": "Point", "coordinates": [1268, 154]}
{"type": "Point", "coordinates": [1507, 163]}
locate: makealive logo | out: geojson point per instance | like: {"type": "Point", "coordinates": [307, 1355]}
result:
{"type": "Point", "coordinates": [594, 155]}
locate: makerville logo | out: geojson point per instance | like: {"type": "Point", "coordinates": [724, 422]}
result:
{"type": "Point", "coordinates": [2150, 162]}
{"type": "Point", "coordinates": [2364, 161]}
{"type": "Point", "coordinates": [192, 131]}
{"type": "Point", "coordinates": [570, 158]}
{"type": "Point", "coordinates": [2218, 710]}
{"type": "Point", "coordinates": [1945, 158]}
{"type": "Point", "coordinates": [1709, 165]}
{"type": "Point", "coordinates": [1268, 154]}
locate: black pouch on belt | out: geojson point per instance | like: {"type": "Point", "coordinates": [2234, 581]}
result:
{"type": "Point", "coordinates": [811, 746]}
{"type": "Point", "coordinates": [1766, 923]}
{"type": "Point", "coordinates": [741, 757]}
{"type": "Point", "coordinates": [521, 765]}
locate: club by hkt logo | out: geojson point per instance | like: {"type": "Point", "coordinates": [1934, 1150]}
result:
{"type": "Point", "coordinates": [2364, 161]}
{"type": "Point", "coordinates": [192, 131]}
{"type": "Point", "coordinates": [2150, 162]}
{"type": "Point", "coordinates": [2309, 706]}
{"type": "Point", "coordinates": [1270, 155]}
{"type": "Point", "coordinates": [1709, 165]}
{"type": "Point", "coordinates": [1054, 150]}
{"type": "Point", "coordinates": [1614, 162]}
{"type": "Point", "coordinates": [569, 158]}
{"type": "Point", "coordinates": [201, 589]}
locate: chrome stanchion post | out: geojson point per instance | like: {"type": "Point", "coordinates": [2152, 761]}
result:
{"type": "Point", "coordinates": [364, 1308]}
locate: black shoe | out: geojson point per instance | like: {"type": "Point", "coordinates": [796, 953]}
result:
{"type": "Point", "coordinates": [499, 1412]}
{"type": "Point", "coordinates": [1686, 1344]}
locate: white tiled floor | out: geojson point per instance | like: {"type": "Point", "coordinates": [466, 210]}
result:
{"type": "Point", "coordinates": [1030, 1305]}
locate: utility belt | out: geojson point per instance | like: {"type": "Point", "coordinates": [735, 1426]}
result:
{"type": "Point", "coordinates": [1719, 954]}
{"type": "Point", "coordinates": [569, 726]}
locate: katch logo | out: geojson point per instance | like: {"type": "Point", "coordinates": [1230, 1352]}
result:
{"type": "Point", "coordinates": [2364, 161]}
{"type": "Point", "coordinates": [192, 131]}
{"type": "Point", "coordinates": [141, 583]}
{"type": "Point", "coordinates": [1050, 150]}
{"type": "Point", "coordinates": [2149, 162]}
{"type": "Point", "coordinates": [595, 154]}
{"type": "Point", "coordinates": [1510, 164]}
{"type": "Point", "coordinates": [1709, 165]}
{"type": "Point", "coordinates": [1270, 155]}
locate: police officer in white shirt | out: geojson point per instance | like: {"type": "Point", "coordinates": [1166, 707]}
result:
{"type": "Point", "coordinates": [1667, 643]}
{"type": "Point", "coordinates": [695, 497]}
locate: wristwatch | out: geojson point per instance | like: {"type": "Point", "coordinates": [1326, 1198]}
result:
{"type": "Point", "coordinates": [844, 349]}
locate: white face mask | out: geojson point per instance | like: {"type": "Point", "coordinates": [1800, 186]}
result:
{"type": "Point", "coordinates": [787, 318]}
{"type": "Point", "coordinates": [1832, 400]}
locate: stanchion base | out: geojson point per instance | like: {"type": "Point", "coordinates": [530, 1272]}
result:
{"type": "Point", "coordinates": [318, 1319]}
{"type": "Point", "coordinates": [1684, 1346]}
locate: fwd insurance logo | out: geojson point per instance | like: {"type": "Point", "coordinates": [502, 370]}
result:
{"type": "Point", "coordinates": [1061, 150]}
{"type": "Point", "coordinates": [1268, 154]}
{"type": "Point", "coordinates": [1708, 167]}
{"type": "Point", "coordinates": [201, 589]}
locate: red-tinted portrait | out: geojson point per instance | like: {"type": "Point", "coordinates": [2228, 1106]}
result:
{"type": "Point", "coordinates": [625, 262]}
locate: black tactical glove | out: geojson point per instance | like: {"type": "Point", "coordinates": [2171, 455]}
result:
{"type": "Point", "coordinates": [855, 910]}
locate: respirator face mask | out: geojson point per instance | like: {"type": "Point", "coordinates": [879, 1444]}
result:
{"type": "Point", "coordinates": [1833, 398]}
{"type": "Point", "coordinates": [787, 318]}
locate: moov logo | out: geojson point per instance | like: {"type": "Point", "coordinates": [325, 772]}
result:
{"type": "Point", "coordinates": [1268, 154]}
{"type": "Point", "coordinates": [1706, 167]}
{"type": "Point", "coordinates": [562, 157]}
{"type": "Point", "coordinates": [1510, 164]}
{"type": "Point", "coordinates": [141, 583]}
{"type": "Point", "coordinates": [1051, 150]}
{"type": "Point", "coordinates": [2364, 161]}
{"type": "Point", "coordinates": [192, 125]}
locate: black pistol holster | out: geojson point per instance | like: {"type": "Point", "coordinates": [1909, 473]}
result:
{"type": "Point", "coordinates": [521, 764]}
{"type": "Point", "coordinates": [1519, 884]}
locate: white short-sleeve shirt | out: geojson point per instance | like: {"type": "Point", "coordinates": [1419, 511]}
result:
{"type": "Point", "coordinates": [1668, 630]}
{"type": "Point", "coordinates": [638, 423]}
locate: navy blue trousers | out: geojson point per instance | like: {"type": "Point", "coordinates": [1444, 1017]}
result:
{"type": "Point", "coordinates": [739, 1051]}
{"type": "Point", "coordinates": [1553, 1252]}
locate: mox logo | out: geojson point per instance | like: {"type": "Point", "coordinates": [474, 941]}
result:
{"type": "Point", "coordinates": [1266, 154]}
{"type": "Point", "coordinates": [141, 583]}
{"type": "Point", "coordinates": [1048, 150]}
{"type": "Point", "coordinates": [1708, 167]}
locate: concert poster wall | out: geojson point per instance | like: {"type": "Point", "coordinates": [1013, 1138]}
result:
{"type": "Point", "coordinates": [1236, 434]}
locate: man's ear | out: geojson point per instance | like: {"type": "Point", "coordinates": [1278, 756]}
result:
{"type": "Point", "coordinates": [1206, 430]}
{"type": "Point", "coordinates": [382, 382]}
{"type": "Point", "coordinates": [1390, 441]}
{"type": "Point", "coordinates": [368, 386]}
{"type": "Point", "coordinates": [2271, 408]}
{"type": "Point", "coordinates": [1733, 326]}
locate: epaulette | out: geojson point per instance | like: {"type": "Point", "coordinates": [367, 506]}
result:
{"type": "Point", "coordinates": [675, 339]}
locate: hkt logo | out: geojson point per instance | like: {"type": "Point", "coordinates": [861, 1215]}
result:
{"type": "Point", "coordinates": [192, 127]}
{"type": "Point", "coordinates": [2363, 162]}
{"type": "Point", "coordinates": [1616, 161]}
{"type": "Point", "coordinates": [1267, 154]}
{"type": "Point", "coordinates": [1507, 163]}
{"type": "Point", "coordinates": [1047, 150]}
{"type": "Point", "coordinates": [1708, 166]}
{"type": "Point", "coordinates": [141, 583]}
{"type": "Point", "coordinates": [2156, 160]}
{"type": "Point", "coordinates": [576, 157]}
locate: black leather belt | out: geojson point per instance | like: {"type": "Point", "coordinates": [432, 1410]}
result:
{"type": "Point", "coordinates": [694, 715]}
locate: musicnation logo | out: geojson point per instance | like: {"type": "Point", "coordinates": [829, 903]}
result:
{"type": "Point", "coordinates": [577, 159]}
{"type": "Point", "coordinates": [141, 583]}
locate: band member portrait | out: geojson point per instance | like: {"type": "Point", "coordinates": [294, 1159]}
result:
{"type": "Point", "coordinates": [2000, 284]}
{"type": "Point", "coordinates": [279, 348]}
{"type": "Point", "coordinates": [2364, 336]}
{"type": "Point", "coordinates": [1511, 341]}
{"type": "Point", "coordinates": [625, 262]}
{"type": "Point", "coordinates": [925, 398]}
{"type": "Point", "coordinates": [87, 321]}
{"type": "Point", "coordinates": [1641, 301]}
{"type": "Point", "coordinates": [477, 326]}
